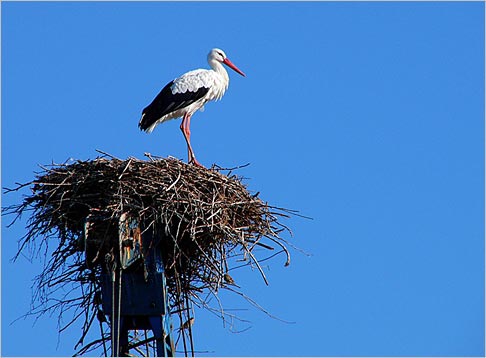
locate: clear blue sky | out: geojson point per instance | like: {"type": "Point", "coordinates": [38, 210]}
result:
{"type": "Point", "coordinates": [368, 117]}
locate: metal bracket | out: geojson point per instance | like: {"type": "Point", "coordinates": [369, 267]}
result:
{"type": "Point", "coordinates": [130, 242]}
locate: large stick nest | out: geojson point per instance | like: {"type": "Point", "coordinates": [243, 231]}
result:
{"type": "Point", "coordinates": [208, 218]}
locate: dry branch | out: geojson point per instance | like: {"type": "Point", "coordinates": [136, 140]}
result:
{"type": "Point", "coordinates": [206, 216]}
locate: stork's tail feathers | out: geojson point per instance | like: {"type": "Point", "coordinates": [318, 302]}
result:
{"type": "Point", "coordinates": [146, 123]}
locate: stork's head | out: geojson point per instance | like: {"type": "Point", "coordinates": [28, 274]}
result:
{"type": "Point", "coordinates": [218, 55]}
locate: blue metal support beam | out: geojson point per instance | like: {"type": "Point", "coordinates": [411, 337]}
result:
{"type": "Point", "coordinates": [135, 294]}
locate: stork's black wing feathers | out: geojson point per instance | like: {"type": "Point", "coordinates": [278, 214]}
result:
{"type": "Point", "coordinates": [166, 102]}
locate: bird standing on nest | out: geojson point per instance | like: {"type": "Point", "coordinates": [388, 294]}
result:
{"type": "Point", "coordinates": [186, 94]}
{"type": "Point", "coordinates": [187, 324]}
{"type": "Point", "coordinates": [229, 280]}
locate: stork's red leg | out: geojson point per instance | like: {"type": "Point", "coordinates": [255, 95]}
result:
{"type": "Point", "coordinates": [186, 131]}
{"type": "Point", "coordinates": [187, 136]}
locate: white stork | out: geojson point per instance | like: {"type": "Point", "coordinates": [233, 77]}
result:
{"type": "Point", "coordinates": [188, 93]}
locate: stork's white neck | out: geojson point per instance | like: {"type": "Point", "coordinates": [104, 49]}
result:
{"type": "Point", "coordinates": [219, 68]}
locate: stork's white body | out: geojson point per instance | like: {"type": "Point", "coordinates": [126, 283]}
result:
{"type": "Point", "coordinates": [217, 80]}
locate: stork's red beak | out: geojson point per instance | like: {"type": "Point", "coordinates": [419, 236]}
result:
{"type": "Point", "coordinates": [230, 64]}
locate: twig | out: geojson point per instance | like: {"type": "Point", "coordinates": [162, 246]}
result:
{"type": "Point", "coordinates": [204, 220]}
